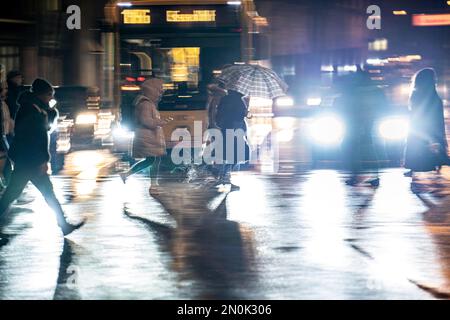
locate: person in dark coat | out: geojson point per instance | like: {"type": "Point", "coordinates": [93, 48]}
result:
{"type": "Point", "coordinates": [30, 150]}
{"type": "Point", "coordinates": [15, 88]}
{"type": "Point", "coordinates": [361, 104]}
{"type": "Point", "coordinates": [231, 113]}
{"type": "Point", "coordinates": [426, 147]}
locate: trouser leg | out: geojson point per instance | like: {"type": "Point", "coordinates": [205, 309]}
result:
{"type": "Point", "coordinates": [7, 171]}
{"type": "Point", "coordinates": [18, 181]}
{"type": "Point", "coordinates": [154, 170]}
{"type": "Point", "coordinates": [45, 186]}
{"type": "Point", "coordinates": [141, 165]}
{"type": "Point", "coordinates": [226, 172]}
{"type": "Point", "coordinates": [3, 164]}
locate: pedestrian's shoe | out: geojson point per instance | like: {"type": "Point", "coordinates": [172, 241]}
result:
{"type": "Point", "coordinates": [408, 174]}
{"type": "Point", "coordinates": [124, 177]}
{"type": "Point", "coordinates": [374, 182]}
{"type": "Point", "coordinates": [351, 182]}
{"type": "Point", "coordinates": [68, 228]}
{"type": "Point", "coordinates": [235, 188]}
{"type": "Point", "coordinates": [3, 240]}
{"type": "Point", "coordinates": [23, 200]}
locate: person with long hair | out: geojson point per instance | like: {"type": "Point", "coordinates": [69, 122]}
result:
{"type": "Point", "coordinates": [426, 147]}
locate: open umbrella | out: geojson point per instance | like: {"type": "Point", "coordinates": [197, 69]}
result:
{"type": "Point", "coordinates": [253, 81]}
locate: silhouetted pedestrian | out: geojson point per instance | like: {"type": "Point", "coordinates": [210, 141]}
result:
{"type": "Point", "coordinates": [361, 104]}
{"type": "Point", "coordinates": [426, 147]}
{"type": "Point", "coordinates": [149, 141]}
{"type": "Point", "coordinates": [29, 150]}
{"type": "Point", "coordinates": [230, 116]}
{"type": "Point", "coordinates": [15, 88]}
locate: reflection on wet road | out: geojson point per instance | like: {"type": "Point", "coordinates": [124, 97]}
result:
{"type": "Point", "coordinates": [303, 236]}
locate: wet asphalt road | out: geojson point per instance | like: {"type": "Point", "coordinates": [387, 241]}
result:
{"type": "Point", "coordinates": [289, 236]}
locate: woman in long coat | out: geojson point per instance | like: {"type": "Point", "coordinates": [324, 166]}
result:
{"type": "Point", "coordinates": [149, 142]}
{"type": "Point", "coordinates": [426, 148]}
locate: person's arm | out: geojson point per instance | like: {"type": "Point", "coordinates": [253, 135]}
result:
{"type": "Point", "coordinates": [145, 116]}
{"type": "Point", "coordinates": [53, 115]}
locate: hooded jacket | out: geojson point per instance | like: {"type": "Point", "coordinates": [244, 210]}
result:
{"type": "Point", "coordinates": [149, 140]}
{"type": "Point", "coordinates": [34, 120]}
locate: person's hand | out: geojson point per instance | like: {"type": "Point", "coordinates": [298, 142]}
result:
{"type": "Point", "coordinates": [166, 121]}
{"type": "Point", "coordinates": [43, 168]}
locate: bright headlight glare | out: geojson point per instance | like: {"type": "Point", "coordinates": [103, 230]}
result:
{"type": "Point", "coordinates": [314, 101]}
{"type": "Point", "coordinates": [285, 102]}
{"type": "Point", "coordinates": [396, 128]}
{"type": "Point", "coordinates": [86, 119]}
{"type": "Point", "coordinates": [327, 130]}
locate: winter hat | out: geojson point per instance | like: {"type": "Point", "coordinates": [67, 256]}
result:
{"type": "Point", "coordinates": [41, 86]}
{"type": "Point", "coordinates": [12, 74]}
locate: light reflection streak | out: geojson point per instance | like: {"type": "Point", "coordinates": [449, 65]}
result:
{"type": "Point", "coordinates": [323, 213]}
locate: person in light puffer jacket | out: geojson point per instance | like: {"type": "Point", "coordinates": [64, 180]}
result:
{"type": "Point", "coordinates": [149, 142]}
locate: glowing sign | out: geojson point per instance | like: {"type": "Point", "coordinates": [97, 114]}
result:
{"type": "Point", "coordinates": [428, 20]}
{"type": "Point", "coordinates": [134, 16]}
{"type": "Point", "coordinates": [196, 16]}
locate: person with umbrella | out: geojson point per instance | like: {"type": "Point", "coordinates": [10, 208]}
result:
{"type": "Point", "coordinates": [230, 118]}
{"type": "Point", "coordinates": [243, 82]}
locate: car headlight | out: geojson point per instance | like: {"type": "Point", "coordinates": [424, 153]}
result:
{"type": "Point", "coordinates": [285, 101]}
{"type": "Point", "coordinates": [314, 101]}
{"type": "Point", "coordinates": [86, 118]}
{"type": "Point", "coordinates": [395, 128]}
{"type": "Point", "coordinates": [327, 129]}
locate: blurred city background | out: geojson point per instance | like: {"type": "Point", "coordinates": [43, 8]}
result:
{"type": "Point", "coordinates": [309, 44]}
{"type": "Point", "coordinates": [294, 230]}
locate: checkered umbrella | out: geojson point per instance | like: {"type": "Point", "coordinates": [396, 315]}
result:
{"type": "Point", "coordinates": [253, 81]}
